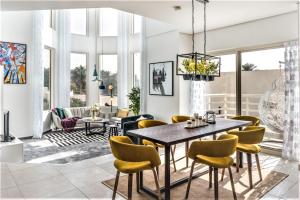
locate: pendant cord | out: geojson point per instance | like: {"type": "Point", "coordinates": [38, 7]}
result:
{"type": "Point", "coordinates": [193, 25]}
{"type": "Point", "coordinates": [204, 24]}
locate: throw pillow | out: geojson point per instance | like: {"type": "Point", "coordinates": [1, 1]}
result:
{"type": "Point", "coordinates": [68, 113]}
{"type": "Point", "coordinates": [141, 118]}
{"type": "Point", "coordinates": [122, 113]}
{"type": "Point", "coordinates": [60, 113]}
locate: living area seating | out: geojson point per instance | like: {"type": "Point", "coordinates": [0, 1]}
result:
{"type": "Point", "coordinates": [132, 159]}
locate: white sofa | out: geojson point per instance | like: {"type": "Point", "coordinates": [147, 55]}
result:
{"type": "Point", "coordinates": [51, 121]}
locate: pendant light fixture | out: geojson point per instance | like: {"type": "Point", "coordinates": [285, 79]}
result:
{"type": "Point", "coordinates": [198, 66]}
{"type": "Point", "coordinates": [96, 76]}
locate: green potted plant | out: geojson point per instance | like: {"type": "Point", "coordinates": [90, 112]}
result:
{"type": "Point", "coordinates": [134, 98]}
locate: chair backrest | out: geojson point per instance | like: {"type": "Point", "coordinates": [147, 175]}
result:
{"type": "Point", "coordinates": [124, 149]}
{"type": "Point", "coordinates": [255, 121]}
{"type": "Point", "coordinates": [179, 118]}
{"type": "Point", "coordinates": [223, 147]}
{"type": "Point", "coordinates": [250, 135]}
{"type": "Point", "coordinates": [150, 123]}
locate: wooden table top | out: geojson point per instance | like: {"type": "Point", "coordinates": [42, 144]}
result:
{"type": "Point", "coordinates": [176, 133]}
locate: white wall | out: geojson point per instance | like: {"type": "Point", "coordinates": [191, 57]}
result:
{"type": "Point", "coordinates": [162, 45]}
{"type": "Point", "coordinates": [17, 97]}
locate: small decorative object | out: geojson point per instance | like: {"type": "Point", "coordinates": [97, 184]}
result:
{"type": "Point", "coordinates": [94, 111]}
{"type": "Point", "coordinates": [210, 117]}
{"type": "Point", "coordinates": [198, 66]}
{"type": "Point", "coordinates": [98, 79]}
{"type": "Point", "coordinates": [189, 124]}
{"type": "Point", "coordinates": [161, 78]}
{"type": "Point", "coordinates": [13, 61]}
{"type": "Point", "coordinates": [110, 88]}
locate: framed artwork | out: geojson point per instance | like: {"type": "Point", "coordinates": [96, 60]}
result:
{"type": "Point", "coordinates": [13, 61]}
{"type": "Point", "coordinates": [161, 78]}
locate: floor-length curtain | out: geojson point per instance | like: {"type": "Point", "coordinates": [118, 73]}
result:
{"type": "Point", "coordinates": [143, 71]}
{"type": "Point", "coordinates": [198, 97]}
{"type": "Point", "coordinates": [291, 125]}
{"type": "Point", "coordinates": [37, 75]}
{"type": "Point", "coordinates": [123, 53]}
{"type": "Point", "coordinates": [62, 68]}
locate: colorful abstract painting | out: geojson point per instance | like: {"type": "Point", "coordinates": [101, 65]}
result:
{"type": "Point", "coordinates": [13, 61]}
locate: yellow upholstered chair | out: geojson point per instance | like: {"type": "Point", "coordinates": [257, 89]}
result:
{"type": "Point", "coordinates": [132, 158]}
{"type": "Point", "coordinates": [151, 123]}
{"type": "Point", "coordinates": [216, 154]}
{"type": "Point", "coordinates": [255, 121]}
{"type": "Point", "coordinates": [178, 119]}
{"type": "Point", "coordinates": [249, 138]}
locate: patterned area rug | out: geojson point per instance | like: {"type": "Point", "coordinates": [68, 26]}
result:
{"type": "Point", "coordinates": [61, 148]}
{"type": "Point", "coordinates": [62, 139]}
{"type": "Point", "coordinates": [199, 186]}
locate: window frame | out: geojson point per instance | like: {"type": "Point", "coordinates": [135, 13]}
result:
{"type": "Point", "coordinates": [133, 25]}
{"type": "Point", "coordinates": [133, 65]}
{"type": "Point", "coordinates": [87, 74]}
{"type": "Point", "coordinates": [86, 25]}
{"type": "Point", "coordinates": [99, 29]}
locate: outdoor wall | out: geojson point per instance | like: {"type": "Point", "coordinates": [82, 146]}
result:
{"type": "Point", "coordinates": [17, 98]}
{"type": "Point", "coordinates": [162, 45]}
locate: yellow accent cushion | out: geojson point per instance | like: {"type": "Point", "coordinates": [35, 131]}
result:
{"type": "Point", "coordinates": [122, 113]}
{"type": "Point", "coordinates": [132, 167]}
{"type": "Point", "coordinates": [147, 142]}
{"type": "Point", "coordinates": [217, 162]}
{"type": "Point", "coordinates": [248, 148]}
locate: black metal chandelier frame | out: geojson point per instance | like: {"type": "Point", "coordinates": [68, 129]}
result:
{"type": "Point", "coordinates": [196, 64]}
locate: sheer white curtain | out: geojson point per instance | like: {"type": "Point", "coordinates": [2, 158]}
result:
{"type": "Point", "coordinates": [37, 75]}
{"type": "Point", "coordinates": [123, 53]}
{"type": "Point", "coordinates": [291, 125]}
{"type": "Point", "coordinates": [144, 67]}
{"type": "Point", "coordinates": [62, 67]}
{"type": "Point", "coordinates": [198, 97]}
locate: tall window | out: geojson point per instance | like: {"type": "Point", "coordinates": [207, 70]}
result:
{"type": "Point", "coordinates": [136, 69]}
{"type": "Point", "coordinates": [108, 71]}
{"type": "Point", "coordinates": [78, 20]}
{"type": "Point", "coordinates": [47, 79]}
{"type": "Point", "coordinates": [78, 80]}
{"type": "Point", "coordinates": [137, 24]}
{"type": "Point", "coordinates": [108, 22]}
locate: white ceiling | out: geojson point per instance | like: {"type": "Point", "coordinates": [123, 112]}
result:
{"type": "Point", "coordinates": [220, 13]}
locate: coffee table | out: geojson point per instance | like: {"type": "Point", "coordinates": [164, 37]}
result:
{"type": "Point", "coordinates": [88, 121]}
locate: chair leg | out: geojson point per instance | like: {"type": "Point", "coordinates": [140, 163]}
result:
{"type": "Point", "coordinates": [223, 172]}
{"type": "Point", "coordinates": [138, 182]}
{"type": "Point", "coordinates": [249, 161]}
{"type": "Point", "coordinates": [210, 177]}
{"type": "Point", "coordinates": [216, 183]}
{"type": "Point", "coordinates": [258, 167]}
{"type": "Point", "coordinates": [186, 153]}
{"type": "Point", "coordinates": [237, 161]}
{"type": "Point", "coordinates": [232, 183]}
{"type": "Point", "coordinates": [116, 185]}
{"type": "Point", "coordinates": [157, 184]}
{"type": "Point", "coordinates": [130, 186]}
{"type": "Point", "coordinates": [190, 180]}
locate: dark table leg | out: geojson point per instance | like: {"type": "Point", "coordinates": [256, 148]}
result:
{"type": "Point", "coordinates": [86, 128]}
{"type": "Point", "coordinates": [141, 183]}
{"type": "Point", "coordinates": [167, 173]}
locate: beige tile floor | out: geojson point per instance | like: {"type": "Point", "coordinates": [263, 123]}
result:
{"type": "Point", "coordinates": [82, 180]}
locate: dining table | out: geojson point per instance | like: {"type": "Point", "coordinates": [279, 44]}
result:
{"type": "Point", "coordinates": [172, 134]}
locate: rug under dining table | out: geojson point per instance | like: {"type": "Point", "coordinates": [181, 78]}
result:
{"type": "Point", "coordinates": [199, 187]}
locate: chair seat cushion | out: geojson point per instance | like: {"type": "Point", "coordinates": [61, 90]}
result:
{"type": "Point", "coordinates": [248, 148]}
{"type": "Point", "coordinates": [131, 167]}
{"type": "Point", "coordinates": [217, 162]}
{"type": "Point", "coordinates": [147, 142]}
